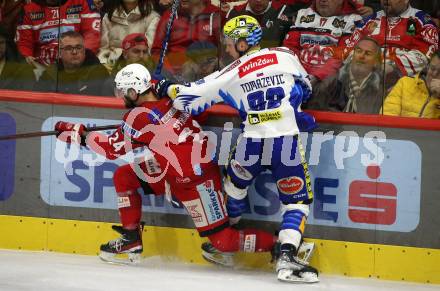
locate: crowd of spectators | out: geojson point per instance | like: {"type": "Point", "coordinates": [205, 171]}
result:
{"type": "Point", "coordinates": [363, 56]}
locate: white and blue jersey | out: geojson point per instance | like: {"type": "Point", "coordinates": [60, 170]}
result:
{"type": "Point", "coordinates": [266, 86]}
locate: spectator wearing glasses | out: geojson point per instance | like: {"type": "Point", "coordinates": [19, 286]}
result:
{"type": "Point", "coordinates": [42, 22]}
{"type": "Point", "coordinates": [78, 71]}
{"type": "Point", "coordinates": [418, 96]}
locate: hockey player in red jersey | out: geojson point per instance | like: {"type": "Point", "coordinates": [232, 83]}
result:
{"type": "Point", "coordinates": [42, 23]}
{"type": "Point", "coordinates": [181, 158]}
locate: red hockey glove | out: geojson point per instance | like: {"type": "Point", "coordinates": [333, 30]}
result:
{"type": "Point", "coordinates": [71, 132]}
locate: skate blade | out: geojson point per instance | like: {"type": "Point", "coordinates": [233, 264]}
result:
{"type": "Point", "coordinates": [305, 252]}
{"type": "Point", "coordinates": [224, 260]}
{"type": "Point", "coordinates": [130, 259]}
{"type": "Point", "coordinates": [287, 275]}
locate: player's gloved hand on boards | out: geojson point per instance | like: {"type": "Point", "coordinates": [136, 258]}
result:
{"type": "Point", "coordinates": [160, 87]}
{"type": "Point", "coordinates": [71, 132]}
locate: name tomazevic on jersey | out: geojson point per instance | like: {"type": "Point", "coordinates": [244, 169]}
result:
{"type": "Point", "coordinates": [263, 83]}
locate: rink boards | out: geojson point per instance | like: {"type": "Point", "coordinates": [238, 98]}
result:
{"type": "Point", "coordinates": [374, 215]}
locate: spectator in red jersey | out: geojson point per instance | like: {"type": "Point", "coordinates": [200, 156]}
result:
{"type": "Point", "coordinates": [274, 18]}
{"type": "Point", "coordinates": [319, 33]}
{"type": "Point", "coordinates": [77, 72]}
{"type": "Point", "coordinates": [38, 30]}
{"type": "Point", "coordinates": [197, 20]}
{"type": "Point", "coordinates": [412, 36]}
{"type": "Point", "coordinates": [125, 17]}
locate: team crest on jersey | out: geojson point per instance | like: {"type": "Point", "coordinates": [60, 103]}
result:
{"type": "Point", "coordinates": [307, 18]}
{"type": "Point", "coordinates": [339, 23]}
{"type": "Point", "coordinates": [257, 63]}
{"type": "Point", "coordinates": [257, 118]}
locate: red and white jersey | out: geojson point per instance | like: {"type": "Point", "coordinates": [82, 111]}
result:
{"type": "Point", "coordinates": [316, 39]}
{"type": "Point", "coordinates": [176, 140]}
{"type": "Point", "coordinates": [411, 38]}
{"type": "Point", "coordinates": [40, 26]}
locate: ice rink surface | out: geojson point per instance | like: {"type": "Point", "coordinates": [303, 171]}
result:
{"type": "Point", "coordinates": [45, 271]}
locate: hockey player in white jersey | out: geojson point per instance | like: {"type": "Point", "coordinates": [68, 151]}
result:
{"type": "Point", "coordinates": [267, 87]}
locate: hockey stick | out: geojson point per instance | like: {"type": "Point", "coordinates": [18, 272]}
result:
{"type": "Point", "coordinates": [164, 48]}
{"type": "Point", "coordinates": [53, 132]}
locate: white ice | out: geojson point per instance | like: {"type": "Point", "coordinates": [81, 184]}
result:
{"type": "Point", "coordinates": [46, 271]}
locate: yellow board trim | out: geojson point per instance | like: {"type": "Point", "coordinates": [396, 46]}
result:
{"type": "Point", "coordinates": [331, 257]}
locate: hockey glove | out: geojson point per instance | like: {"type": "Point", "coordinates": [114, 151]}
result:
{"type": "Point", "coordinates": [71, 132]}
{"type": "Point", "coordinates": [160, 87]}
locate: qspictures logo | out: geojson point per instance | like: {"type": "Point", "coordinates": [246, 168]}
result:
{"type": "Point", "coordinates": [7, 157]}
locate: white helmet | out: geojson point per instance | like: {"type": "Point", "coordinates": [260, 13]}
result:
{"type": "Point", "coordinates": [133, 76]}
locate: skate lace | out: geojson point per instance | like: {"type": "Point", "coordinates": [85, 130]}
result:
{"type": "Point", "coordinates": [117, 243]}
{"type": "Point", "coordinates": [287, 261]}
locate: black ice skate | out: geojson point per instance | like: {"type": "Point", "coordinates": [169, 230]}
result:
{"type": "Point", "coordinates": [289, 268]}
{"type": "Point", "coordinates": [126, 249]}
{"type": "Point", "coordinates": [212, 255]}
{"type": "Point", "coordinates": [303, 256]}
